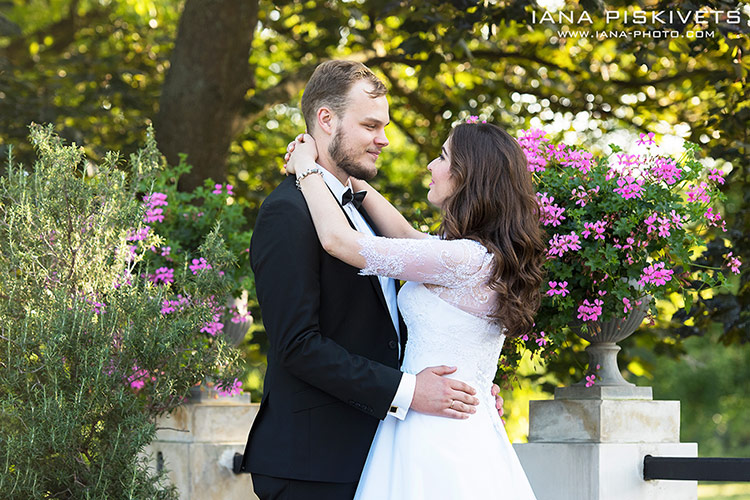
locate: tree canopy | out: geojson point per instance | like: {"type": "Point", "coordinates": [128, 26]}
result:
{"type": "Point", "coordinates": [221, 79]}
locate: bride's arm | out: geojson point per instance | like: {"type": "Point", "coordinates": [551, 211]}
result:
{"type": "Point", "coordinates": [334, 232]}
{"type": "Point", "coordinates": [389, 221]}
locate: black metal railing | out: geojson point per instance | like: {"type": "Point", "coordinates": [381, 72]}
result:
{"type": "Point", "coordinates": [696, 469]}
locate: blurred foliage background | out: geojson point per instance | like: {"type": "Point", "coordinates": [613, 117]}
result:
{"type": "Point", "coordinates": [221, 81]}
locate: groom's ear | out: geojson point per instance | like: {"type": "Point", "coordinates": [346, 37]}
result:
{"type": "Point", "coordinates": [326, 120]}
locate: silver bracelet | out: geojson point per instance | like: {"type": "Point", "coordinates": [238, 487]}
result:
{"type": "Point", "coordinates": [313, 170]}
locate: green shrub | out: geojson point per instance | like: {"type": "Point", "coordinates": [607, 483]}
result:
{"type": "Point", "coordinates": [93, 343]}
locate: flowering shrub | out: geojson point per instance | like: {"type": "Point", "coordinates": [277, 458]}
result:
{"type": "Point", "coordinates": [619, 228]}
{"type": "Point", "coordinates": [95, 339]}
{"type": "Point", "coordinates": [183, 220]}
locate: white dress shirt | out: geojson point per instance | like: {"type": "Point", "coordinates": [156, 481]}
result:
{"type": "Point", "coordinates": [405, 392]}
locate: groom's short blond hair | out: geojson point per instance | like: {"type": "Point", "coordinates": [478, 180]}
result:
{"type": "Point", "coordinates": [329, 85]}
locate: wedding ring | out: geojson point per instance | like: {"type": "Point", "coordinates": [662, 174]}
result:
{"type": "Point", "coordinates": [451, 406]}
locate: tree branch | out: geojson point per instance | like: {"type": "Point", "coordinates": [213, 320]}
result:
{"type": "Point", "coordinates": [280, 93]}
{"type": "Point", "coordinates": [62, 32]}
{"type": "Point", "coordinates": [637, 83]}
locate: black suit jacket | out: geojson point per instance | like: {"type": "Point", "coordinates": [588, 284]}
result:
{"type": "Point", "coordinates": [333, 356]}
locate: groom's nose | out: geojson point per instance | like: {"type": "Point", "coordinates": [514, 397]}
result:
{"type": "Point", "coordinates": [381, 140]}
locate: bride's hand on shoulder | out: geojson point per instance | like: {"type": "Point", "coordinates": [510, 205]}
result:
{"type": "Point", "coordinates": [300, 151]}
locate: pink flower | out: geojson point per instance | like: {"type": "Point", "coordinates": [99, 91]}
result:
{"type": "Point", "coordinates": [531, 143]}
{"type": "Point", "coordinates": [217, 189]}
{"type": "Point", "coordinates": [577, 158]}
{"type": "Point", "coordinates": [733, 263]}
{"type": "Point", "coordinates": [559, 244]}
{"type": "Point", "coordinates": [716, 175]}
{"type": "Point", "coordinates": [666, 169]}
{"type": "Point", "coordinates": [156, 200]}
{"type": "Point", "coordinates": [163, 274]}
{"type": "Point", "coordinates": [590, 311]}
{"type": "Point", "coordinates": [629, 187]}
{"type": "Point", "coordinates": [590, 380]}
{"type": "Point", "coordinates": [199, 265]}
{"type": "Point", "coordinates": [665, 224]}
{"type": "Point", "coordinates": [553, 290]}
{"type": "Point", "coordinates": [230, 391]}
{"type": "Point", "coordinates": [153, 202]}
{"type": "Point", "coordinates": [655, 274]}
{"type": "Point", "coordinates": [542, 340]}
{"type": "Point", "coordinates": [551, 213]}
{"type": "Point", "coordinates": [714, 218]}
{"type": "Point", "coordinates": [597, 227]}
{"type": "Point", "coordinates": [627, 303]}
{"type": "Point", "coordinates": [138, 235]}
{"type": "Point", "coordinates": [646, 139]}
{"type": "Point", "coordinates": [137, 378]}
{"type": "Point", "coordinates": [625, 160]}
{"type": "Point", "coordinates": [178, 304]}
{"type": "Point", "coordinates": [213, 327]}
{"type": "Point", "coordinates": [154, 215]}
{"type": "Point", "coordinates": [698, 193]}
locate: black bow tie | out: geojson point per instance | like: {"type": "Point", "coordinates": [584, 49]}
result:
{"type": "Point", "coordinates": [354, 198]}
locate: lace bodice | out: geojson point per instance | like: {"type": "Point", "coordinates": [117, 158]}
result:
{"type": "Point", "coordinates": [456, 270]}
{"type": "Point", "coordinates": [444, 305]}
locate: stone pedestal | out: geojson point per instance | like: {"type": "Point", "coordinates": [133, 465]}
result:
{"type": "Point", "coordinates": [196, 443]}
{"type": "Point", "coordinates": [592, 448]}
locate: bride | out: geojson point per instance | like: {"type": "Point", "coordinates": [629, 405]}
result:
{"type": "Point", "coordinates": [466, 291]}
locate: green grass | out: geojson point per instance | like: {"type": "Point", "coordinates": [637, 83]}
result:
{"type": "Point", "coordinates": [731, 491]}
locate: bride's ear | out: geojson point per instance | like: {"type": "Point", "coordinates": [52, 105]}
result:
{"type": "Point", "coordinates": [326, 120]}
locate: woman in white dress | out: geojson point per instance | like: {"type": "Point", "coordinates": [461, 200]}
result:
{"type": "Point", "coordinates": [466, 291]}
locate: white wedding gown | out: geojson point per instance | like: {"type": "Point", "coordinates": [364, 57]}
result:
{"type": "Point", "coordinates": [445, 305]}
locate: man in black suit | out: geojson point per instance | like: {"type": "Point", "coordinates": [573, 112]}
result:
{"type": "Point", "coordinates": [336, 338]}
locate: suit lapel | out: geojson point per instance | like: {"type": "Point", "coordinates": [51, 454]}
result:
{"type": "Point", "coordinates": [372, 278]}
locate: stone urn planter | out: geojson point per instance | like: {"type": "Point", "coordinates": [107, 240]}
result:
{"type": "Point", "coordinates": [602, 353]}
{"type": "Point", "coordinates": [235, 332]}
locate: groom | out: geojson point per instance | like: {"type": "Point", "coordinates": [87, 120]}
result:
{"type": "Point", "coordinates": [336, 338]}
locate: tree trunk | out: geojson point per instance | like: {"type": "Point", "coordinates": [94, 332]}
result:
{"type": "Point", "coordinates": [203, 93]}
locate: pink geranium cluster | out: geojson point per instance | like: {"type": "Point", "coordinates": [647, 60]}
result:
{"type": "Point", "coordinates": [533, 144]}
{"type": "Point", "coordinates": [162, 275]}
{"type": "Point", "coordinates": [174, 305]}
{"type": "Point", "coordinates": [655, 274]}
{"type": "Point", "coordinates": [666, 169]}
{"type": "Point", "coordinates": [597, 228]}
{"type": "Point", "coordinates": [552, 213]}
{"type": "Point", "coordinates": [138, 234]}
{"type": "Point", "coordinates": [621, 229]}
{"type": "Point", "coordinates": [583, 196]}
{"type": "Point", "coordinates": [561, 243]}
{"type": "Point", "coordinates": [629, 187]}
{"type": "Point", "coordinates": [154, 202]}
{"type": "Point", "coordinates": [199, 265]}
{"type": "Point", "coordinates": [556, 288]}
{"type": "Point", "coordinates": [219, 188]}
{"type": "Point", "coordinates": [214, 326]}
{"type": "Point", "coordinates": [236, 388]}
{"type": "Point", "coordinates": [590, 311]}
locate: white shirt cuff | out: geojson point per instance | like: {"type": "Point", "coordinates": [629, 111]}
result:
{"type": "Point", "coordinates": [404, 395]}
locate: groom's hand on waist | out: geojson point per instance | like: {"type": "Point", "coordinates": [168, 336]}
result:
{"type": "Point", "coordinates": [441, 396]}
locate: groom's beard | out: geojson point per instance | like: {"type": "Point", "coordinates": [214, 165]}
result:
{"type": "Point", "coordinates": [345, 159]}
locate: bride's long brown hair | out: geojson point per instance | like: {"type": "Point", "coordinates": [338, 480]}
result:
{"type": "Point", "coordinates": [494, 202]}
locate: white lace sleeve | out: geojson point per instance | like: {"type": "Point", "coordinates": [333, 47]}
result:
{"type": "Point", "coordinates": [456, 270]}
{"type": "Point", "coordinates": [448, 263]}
